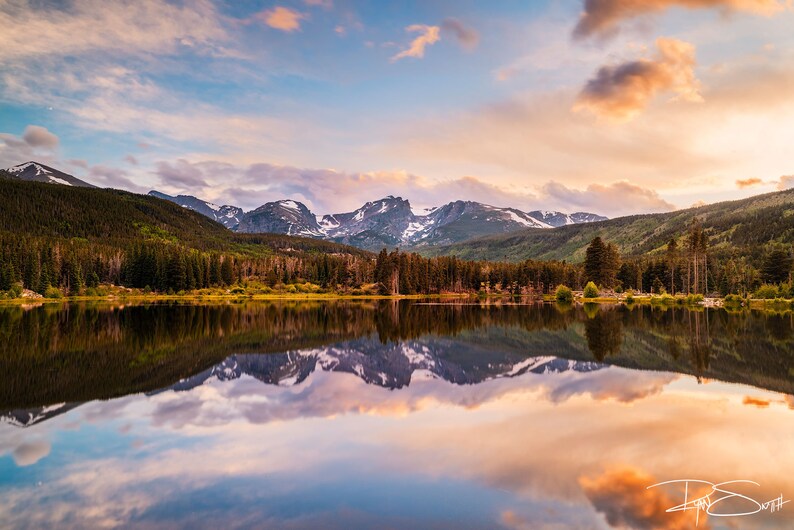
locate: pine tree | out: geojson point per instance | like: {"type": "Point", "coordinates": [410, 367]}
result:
{"type": "Point", "coordinates": [227, 271]}
{"type": "Point", "coordinates": [594, 260]}
{"type": "Point", "coordinates": [777, 264]}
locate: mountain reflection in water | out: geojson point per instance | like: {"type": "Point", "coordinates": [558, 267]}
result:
{"type": "Point", "coordinates": [377, 414]}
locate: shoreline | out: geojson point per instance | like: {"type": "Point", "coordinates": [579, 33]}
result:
{"type": "Point", "coordinates": [653, 300]}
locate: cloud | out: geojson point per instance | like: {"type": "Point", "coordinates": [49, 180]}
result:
{"type": "Point", "coordinates": [748, 183]}
{"type": "Point", "coordinates": [327, 4]}
{"type": "Point", "coordinates": [429, 35]}
{"type": "Point", "coordinates": [131, 160]}
{"type": "Point", "coordinates": [111, 177]}
{"type": "Point", "coordinates": [181, 173]}
{"type": "Point", "coordinates": [466, 36]}
{"type": "Point", "coordinates": [36, 143]}
{"type": "Point", "coordinates": [756, 402]}
{"type": "Point", "coordinates": [282, 18]}
{"type": "Point", "coordinates": [619, 198]}
{"type": "Point", "coordinates": [602, 17]}
{"type": "Point", "coordinates": [326, 190]}
{"type": "Point", "coordinates": [786, 182]}
{"type": "Point", "coordinates": [95, 26]}
{"type": "Point", "coordinates": [331, 191]}
{"type": "Point", "coordinates": [622, 496]}
{"type": "Point", "coordinates": [36, 136]}
{"type": "Point", "coordinates": [29, 453]}
{"type": "Point", "coordinates": [622, 91]}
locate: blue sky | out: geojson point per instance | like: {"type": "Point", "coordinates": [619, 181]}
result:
{"type": "Point", "coordinates": [547, 104]}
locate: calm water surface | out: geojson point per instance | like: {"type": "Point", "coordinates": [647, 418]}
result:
{"type": "Point", "coordinates": [390, 415]}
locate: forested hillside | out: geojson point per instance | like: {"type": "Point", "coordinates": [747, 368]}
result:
{"type": "Point", "coordinates": [63, 240]}
{"type": "Point", "coordinates": [738, 228]}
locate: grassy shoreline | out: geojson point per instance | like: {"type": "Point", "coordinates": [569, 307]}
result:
{"type": "Point", "coordinates": [122, 295]}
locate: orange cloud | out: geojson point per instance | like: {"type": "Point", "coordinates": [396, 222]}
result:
{"type": "Point", "coordinates": [748, 183]}
{"type": "Point", "coordinates": [756, 402]}
{"type": "Point", "coordinates": [622, 496]}
{"type": "Point", "coordinates": [282, 18]}
{"type": "Point", "coordinates": [602, 17]}
{"type": "Point", "coordinates": [786, 182]}
{"type": "Point", "coordinates": [429, 35]}
{"type": "Point", "coordinates": [620, 92]}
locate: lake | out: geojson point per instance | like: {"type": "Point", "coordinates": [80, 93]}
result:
{"type": "Point", "coordinates": [393, 414]}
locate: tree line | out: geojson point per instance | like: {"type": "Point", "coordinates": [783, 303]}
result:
{"type": "Point", "coordinates": [71, 266]}
{"type": "Point", "coordinates": [688, 266]}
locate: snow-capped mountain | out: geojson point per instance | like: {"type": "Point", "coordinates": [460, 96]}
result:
{"type": "Point", "coordinates": [392, 366]}
{"type": "Point", "coordinates": [386, 222]}
{"type": "Point", "coordinates": [391, 222]}
{"type": "Point", "coordinates": [556, 219]}
{"type": "Point", "coordinates": [228, 216]}
{"type": "Point", "coordinates": [35, 172]}
{"type": "Point", "coordinates": [30, 417]}
{"type": "Point", "coordinates": [281, 217]}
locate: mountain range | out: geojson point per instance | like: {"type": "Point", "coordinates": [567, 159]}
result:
{"type": "Point", "coordinates": [392, 366]}
{"type": "Point", "coordinates": [388, 222]}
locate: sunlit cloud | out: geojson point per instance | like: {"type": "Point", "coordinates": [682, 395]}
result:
{"type": "Point", "coordinates": [330, 191]}
{"type": "Point", "coordinates": [786, 182]}
{"type": "Point", "coordinates": [429, 35]}
{"type": "Point", "coordinates": [282, 18]}
{"type": "Point", "coordinates": [622, 495]}
{"type": "Point", "coordinates": [601, 197]}
{"type": "Point", "coordinates": [748, 183]}
{"type": "Point", "coordinates": [602, 17]}
{"type": "Point", "coordinates": [761, 403]}
{"type": "Point", "coordinates": [622, 91]}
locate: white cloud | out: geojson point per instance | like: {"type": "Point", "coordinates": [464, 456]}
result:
{"type": "Point", "coordinates": [33, 29]}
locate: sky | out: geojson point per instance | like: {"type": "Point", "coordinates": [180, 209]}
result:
{"type": "Point", "coordinates": [609, 106]}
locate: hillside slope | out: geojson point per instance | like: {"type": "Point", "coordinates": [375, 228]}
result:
{"type": "Point", "coordinates": [120, 218]}
{"type": "Point", "coordinates": [734, 226]}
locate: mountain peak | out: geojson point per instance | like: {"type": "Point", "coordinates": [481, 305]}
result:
{"type": "Point", "coordinates": [33, 171]}
{"type": "Point", "coordinates": [228, 216]}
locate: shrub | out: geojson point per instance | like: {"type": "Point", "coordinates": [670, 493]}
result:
{"type": "Point", "coordinates": [694, 299]}
{"type": "Point", "coordinates": [590, 290]}
{"type": "Point", "coordinates": [564, 294]}
{"type": "Point", "coordinates": [733, 299]}
{"type": "Point", "coordinates": [630, 297]}
{"type": "Point", "coordinates": [53, 292]}
{"type": "Point", "coordinates": [238, 290]}
{"type": "Point", "coordinates": [16, 290]}
{"type": "Point", "coordinates": [766, 292]}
